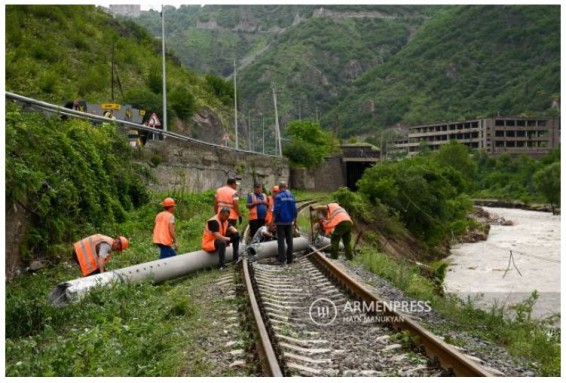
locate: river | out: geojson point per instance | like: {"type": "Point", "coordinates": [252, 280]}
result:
{"type": "Point", "coordinates": [483, 270]}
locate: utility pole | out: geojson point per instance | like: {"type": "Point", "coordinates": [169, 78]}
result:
{"type": "Point", "coordinates": [164, 76]}
{"type": "Point", "coordinates": [262, 134]}
{"type": "Point", "coordinates": [112, 75]}
{"type": "Point", "coordinates": [277, 131]}
{"type": "Point", "coordinates": [235, 104]}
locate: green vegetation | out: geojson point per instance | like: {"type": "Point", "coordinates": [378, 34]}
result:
{"type": "Point", "coordinates": [60, 53]}
{"type": "Point", "coordinates": [416, 64]}
{"type": "Point", "coordinates": [426, 193]}
{"type": "Point", "coordinates": [465, 62]}
{"type": "Point", "coordinates": [125, 330]}
{"type": "Point", "coordinates": [72, 177]}
{"type": "Point", "coordinates": [309, 144]}
{"type": "Point", "coordinates": [519, 178]}
{"type": "Point", "coordinates": [534, 339]}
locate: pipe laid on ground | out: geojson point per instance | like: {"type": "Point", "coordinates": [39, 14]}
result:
{"type": "Point", "coordinates": [158, 271]}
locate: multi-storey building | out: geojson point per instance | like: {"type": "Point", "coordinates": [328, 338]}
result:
{"type": "Point", "coordinates": [534, 136]}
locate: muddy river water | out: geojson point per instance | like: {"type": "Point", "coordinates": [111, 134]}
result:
{"type": "Point", "coordinates": [486, 272]}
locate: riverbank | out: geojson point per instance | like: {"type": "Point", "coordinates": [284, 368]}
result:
{"type": "Point", "coordinates": [514, 261]}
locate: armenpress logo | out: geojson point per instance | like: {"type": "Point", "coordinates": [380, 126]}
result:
{"type": "Point", "coordinates": [323, 312]}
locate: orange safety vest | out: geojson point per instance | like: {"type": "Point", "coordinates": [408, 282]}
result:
{"type": "Point", "coordinates": [269, 215]}
{"type": "Point", "coordinates": [86, 252]}
{"type": "Point", "coordinates": [225, 198]}
{"type": "Point", "coordinates": [161, 234]}
{"type": "Point", "coordinates": [336, 214]}
{"type": "Point", "coordinates": [208, 236]}
{"type": "Point", "coordinates": [253, 210]}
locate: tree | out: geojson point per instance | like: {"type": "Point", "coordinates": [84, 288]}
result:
{"type": "Point", "coordinates": [547, 182]}
{"type": "Point", "coordinates": [309, 144]}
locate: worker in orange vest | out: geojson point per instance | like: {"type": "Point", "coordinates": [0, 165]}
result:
{"type": "Point", "coordinates": [227, 196]}
{"type": "Point", "coordinates": [92, 253]}
{"type": "Point", "coordinates": [337, 223]}
{"type": "Point", "coordinates": [218, 234]}
{"type": "Point", "coordinates": [270, 204]}
{"type": "Point", "coordinates": [257, 207]}
{"type": "Point", "coordinates": [164, 229]}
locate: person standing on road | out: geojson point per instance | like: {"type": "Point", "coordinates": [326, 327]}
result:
{"type": "Point", "coordinates": [338, 224]}
{"type": "Point", "coordinates": [219, 234]}
{"type": "Point", "coordinates": [92, 253]}
{"type": "Point", "coordinates": [257, 205]}
{"type": "Point", "coordinates": [227, 196]}
{"type": "Point", "coordinates": [164, 230]}
{"type": "Point", "coordinates": [284, 216]}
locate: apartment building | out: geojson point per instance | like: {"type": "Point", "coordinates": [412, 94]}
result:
{"type": "Point", "coordinates": [534, 136]}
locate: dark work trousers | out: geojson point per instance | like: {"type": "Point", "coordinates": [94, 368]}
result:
{"type": "Point", "coordinates": [285, 235]}
{"type": "Point", "coordinates": [256, 224]}
{"type": "Point", "coordinates": [342, 231]}
{"type": "Point", "coordinates": [220, 246]}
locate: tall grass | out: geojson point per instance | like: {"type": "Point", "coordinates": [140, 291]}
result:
{"type": "Point", "coordinates": [521, 334]}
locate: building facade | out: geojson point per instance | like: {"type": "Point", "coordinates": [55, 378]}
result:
{"type": "Point", "coordinates": [534, 136]}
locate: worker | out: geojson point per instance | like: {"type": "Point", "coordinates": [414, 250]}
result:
{"type": "Point", "coordinates": [164, 229]}
{"type": "Point", "coordinates": [219, 234]}
{"type": "Point", "coordinates": [227, 196]}
{"type": "Point", "coordinates": [264, 234]}
{"type": "Point", "coordinates": [257, 205]}
{"type": "Point", "coordinates": [284, 216]}
{"type": "Point", "coordinates": [337, 223]}
{"type": "Point", "coordinates": [270, 205]}
{"type": "Point", "coordinates": [92, 253]}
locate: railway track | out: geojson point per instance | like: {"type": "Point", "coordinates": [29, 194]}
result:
{"type": "Point", "coordinates": [312, 319]}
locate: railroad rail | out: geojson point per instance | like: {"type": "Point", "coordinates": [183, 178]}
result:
{"type": "Point", "coordinates": [279, 302]}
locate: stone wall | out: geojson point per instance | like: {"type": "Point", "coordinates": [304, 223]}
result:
{"type": "Point", "coordinates": [195, 167]}
{"type": "Point", "coordinates": [328, 178]}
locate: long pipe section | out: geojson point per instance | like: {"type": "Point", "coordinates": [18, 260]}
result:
{"type": "Point", "coordinates": [159, 270]}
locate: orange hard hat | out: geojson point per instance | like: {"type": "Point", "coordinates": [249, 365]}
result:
{"type": "Point", "coordinates": [168, 202]}
{"type": "Point", "coordinates": [124, 243]}
{"type": "Point", "coordinates": [275, 189]}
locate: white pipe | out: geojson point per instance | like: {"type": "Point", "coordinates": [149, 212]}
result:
{"type": "Point", "coordinates": [158, 271]}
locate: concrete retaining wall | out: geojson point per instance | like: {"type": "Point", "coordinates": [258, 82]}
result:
{"type": "Point", "coordinates": [195, 167]}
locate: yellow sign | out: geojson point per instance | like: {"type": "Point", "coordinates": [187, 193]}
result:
{"type": "Point", "coordinates": [110, 106]}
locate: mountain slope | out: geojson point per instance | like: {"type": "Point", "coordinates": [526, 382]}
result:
{"type": "Point", "coordinates": [58, 53]}
{"type": "Point", "coordinates": [466, 62]}
{"type": "Point", "coordinates": [396, 65]}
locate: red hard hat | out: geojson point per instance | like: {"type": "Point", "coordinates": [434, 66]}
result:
{"type": "Point", "coordinates": [124, 243]}
{"type": "Point", "coordinates": [168, 202]}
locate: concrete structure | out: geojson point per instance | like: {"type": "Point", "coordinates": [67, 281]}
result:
{"type": "Point", "coordinates": [534, 136]}
{"type": "Point", "coordinates": [337, 171]}
{"type": "Point", "coordinates": [189, 166]}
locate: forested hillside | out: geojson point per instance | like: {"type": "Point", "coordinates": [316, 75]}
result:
{"type": "Point", "coordinates": [362, 69]}
{"type": "Point", "coordinates": [59, 53]}
{"type": "Point", "coordinates": [466, 62]}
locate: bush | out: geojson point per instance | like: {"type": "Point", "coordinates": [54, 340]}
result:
{"type": "Point", "coordinates": [78, 180]}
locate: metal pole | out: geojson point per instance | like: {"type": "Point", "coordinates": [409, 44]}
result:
{"type": "Point", "coordinates": [164, 75]}
{"type": "Point", "coordinates": [112, 75]}
{"type": "Point", "coordinates": [277, 132]}
{"type": "Point", "coordinates": [262, 135]}
{"type": "Point", "coordinates": [235, 105]}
